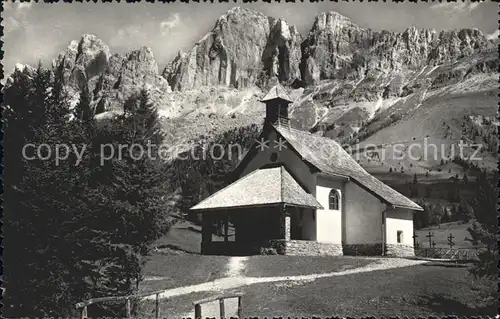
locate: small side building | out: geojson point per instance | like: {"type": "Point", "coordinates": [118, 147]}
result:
{"type": "Point", "coordinates": [303, 194]}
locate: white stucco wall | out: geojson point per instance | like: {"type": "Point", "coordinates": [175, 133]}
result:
{"type": "Point", "coordinates": [399, 219]}
{"type": "Point", "coordinates": [329, 222]}
{"type": "Point", "coordinates": [363, 216]}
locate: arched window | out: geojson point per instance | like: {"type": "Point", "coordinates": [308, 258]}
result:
{"type": "Point", "coordinates": [333, 199]}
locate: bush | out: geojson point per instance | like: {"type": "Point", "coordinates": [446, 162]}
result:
{"type": "Point", "coordinates": [268, 251]}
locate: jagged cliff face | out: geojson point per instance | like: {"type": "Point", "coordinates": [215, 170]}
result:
{"type": "Point", "coordinates": [336, 46]}
{"type": "Point", "coordinates": [83, 59]}
{"type": "Point", "coordinates": [351, 79]}
{"type": "Point", "coordinates": [112, 78]}
{"type": "Point", "coordinates": [243, 48]}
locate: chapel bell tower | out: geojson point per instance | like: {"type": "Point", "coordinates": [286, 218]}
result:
{"type": "Point", "coordinates": [277, 101]}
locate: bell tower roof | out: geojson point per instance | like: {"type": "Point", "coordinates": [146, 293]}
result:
{"type": "Point", "coordinates": [277, 92]}
{"type": "Point", "coordinates": [277, 102]}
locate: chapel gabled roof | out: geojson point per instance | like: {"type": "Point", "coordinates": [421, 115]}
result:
{"type": "Point", "coordinates": [262, 187]}
{"type": "Point", "coordinates": [277, 92]}
{"type": "Point", "coordinates": [330, 158]}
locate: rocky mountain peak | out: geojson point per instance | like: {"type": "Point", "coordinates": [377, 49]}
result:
{"type": "Point", "coordinates": [237, 15]}
{"type": "Point", "coordinates": [332, 21]}
{"type": "Point", "coordinates": [335, 47]}
{"type": "Point", "coordinates": [83, 59]}
{"type": "Point", "coordinates": [84, 50]}
{"type": "Point", "coordinates": [19, 69]}
{"type": "Point", "coordinates": [111, 78]}
{"type": "Point", "coordinates": [244, 48]}
{"type": "Point", "coordinates": [281, 27]}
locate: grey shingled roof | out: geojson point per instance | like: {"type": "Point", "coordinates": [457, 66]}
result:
{"type": "Point", "coordinates": [277, 92]}
{"type": "Point", "coordinates": [330, 158]}
{"type": "Point", "coordinates": [265, 186]}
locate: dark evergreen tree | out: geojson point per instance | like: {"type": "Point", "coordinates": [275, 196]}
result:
{"type": "Point", "coordinates": [81, 230]}
{"type": "Point", "coordinates": [484, 228]}
{"type": "Point", "coordinates": [83, 110]}
{"type": "Point", "coordinates": [37, 216]}
{"type": "Point", "coordinates": [130, 198]}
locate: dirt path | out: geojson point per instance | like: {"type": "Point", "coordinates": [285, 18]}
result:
{"type": "Point", "coordinates": [235, 267]}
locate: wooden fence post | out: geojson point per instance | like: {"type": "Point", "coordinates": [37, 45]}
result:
{"type": "Point", "coordinates": [239, 307]}
{"type": "Point", "coordinates": [83, 313]}
{"type": "Point", "coordinates": [127, 308]}
{"type": "Point", "coordinates": [157, 306]}
{"type": "Point", "coordinates": [197, 311]}
{"type": "Point", "coordinates": [222, 310]}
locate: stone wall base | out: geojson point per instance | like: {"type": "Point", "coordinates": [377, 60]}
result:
{"type": "Point", "coordinates": [312, 248]}
{"type": "Point", "coordinates": [305, 248]}
{"type": "Point", "coordinates": [301, 248]}
{"type": "Point", "coordinates": [395, 250]}
{"type": "Point", "coordinates": [363, 249]}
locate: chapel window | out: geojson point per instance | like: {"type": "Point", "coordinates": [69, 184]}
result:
{"type": "Point", "coordinates": [333, 199]}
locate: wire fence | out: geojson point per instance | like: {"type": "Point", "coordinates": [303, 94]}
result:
{"type": "Point", "coordinates": [464, 254]}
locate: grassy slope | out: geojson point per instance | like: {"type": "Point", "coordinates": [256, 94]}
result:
{"type": "Point", "coordinates": [185, 237]}
{"type": "Point", "coordinates": [428, 120]}
{"type": "Point", "coordinates": [176, 271]}
{"type": "Point", "coordinates": [183, 267]}
{"type": "Point", "coordinates": [264, 266]}
{"type": "Point", "coordinates": [441, 232]}
{"type": "Point", "coordinates": [178, 261]}
{"type": "Point", "coordinates": [424, 290]}
{"type": "Point", "coordinates": [412, 291]}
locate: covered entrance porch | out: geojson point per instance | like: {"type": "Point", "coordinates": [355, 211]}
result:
{"type": "Point", "coordinates": [266, 208]}
{"type": "Point", "coordinates": [256, 230]}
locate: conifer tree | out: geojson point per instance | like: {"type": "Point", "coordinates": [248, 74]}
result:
{"type": "Point", "coordinates": [37, 217]}
{"type": "Point", "coordinates": [133, 189]}
{"type": "Point", "coordinates": [83, 110]}
{"type": "Point", "coordinates": [484, 228]}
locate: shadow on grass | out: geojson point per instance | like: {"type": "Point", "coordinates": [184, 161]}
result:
{"type": "Point", "coordinates": [443, 305]}
{"type": "Point", "coordinates": [446, 265]}
{"type": "Point", "coordinates": [191, 228]}
{"type": "Point", "coordinates": [173, 247]}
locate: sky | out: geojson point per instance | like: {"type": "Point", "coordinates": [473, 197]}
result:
{"type": "Point", "coordinates": [39, 31]}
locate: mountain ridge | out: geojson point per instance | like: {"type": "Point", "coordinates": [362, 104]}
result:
{"type": "Point", "coordinates": [341, 76]}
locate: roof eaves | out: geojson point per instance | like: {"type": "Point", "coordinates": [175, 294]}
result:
{"type": "Point", "coordinates": [202, 210]}
{"type": "Point", "coordinates": [327, 174]}
{"type": "Point", "coordinates": [304, 206]}
{"type": "Point", "coordinates": [222, 189]}
{"type": "Point", "coordinates": [382, 199]}
{"type": "Point", "coordinates": [418, 208]}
